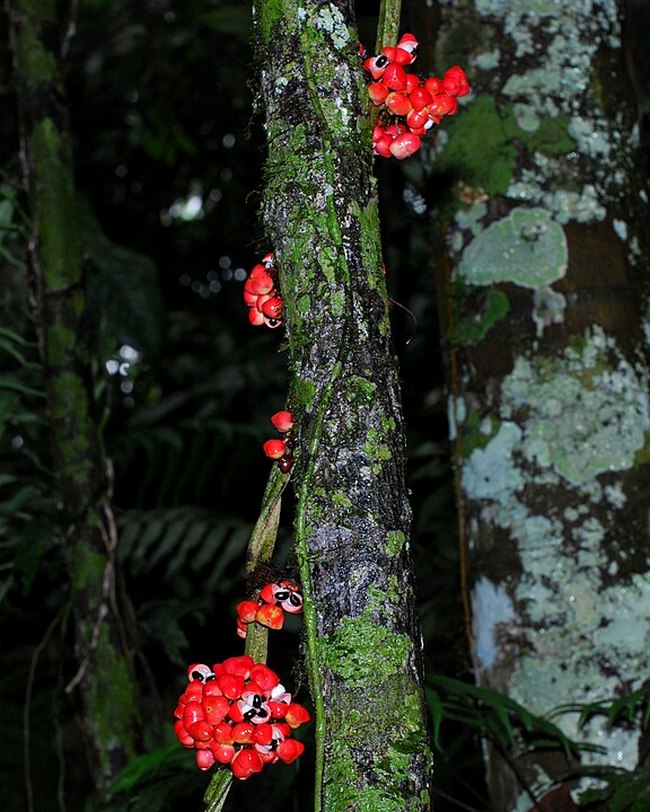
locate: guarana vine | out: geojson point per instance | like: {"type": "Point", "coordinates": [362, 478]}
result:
{"type": "Point", "coordinates": [237, 714]}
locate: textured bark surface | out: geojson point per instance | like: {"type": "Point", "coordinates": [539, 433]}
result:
{"type": "Point", "coordinates": [105, 676]}
{"type": "Point", "coordinates": [549, 326]}
{"type": "Point", "coordinates": [353, 516]}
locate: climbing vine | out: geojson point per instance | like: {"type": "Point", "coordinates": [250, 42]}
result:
{"type": "Point", "coordinates": [361, 653]}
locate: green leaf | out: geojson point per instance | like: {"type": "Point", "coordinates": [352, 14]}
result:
{"type": "Point", "coordinates": [627, 797]}
{"type": "Point", "coordinates": [145, 767]}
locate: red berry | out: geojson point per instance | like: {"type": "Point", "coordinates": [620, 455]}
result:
{"type": "Point", "coordinates": [222, 733]}
{"type": "Point", "coordinates": [245, 763]}
{"type": "Point", "coordinates": [192, 712]}
{"type": "Point", "coordinates": [274, 448]}
{"type": "Point", "coordinates": [270, 616]}
{"type": "Point", "coordinates": [264, 676]}
{"type": "Point", "coordinates": [235, 665]}
{"type": "Point", "coordinates": [223, 753]}
{"type": "Point", "coordinates": [289, 750]}
{"type": "Point", "coordinates": [204, 759]}
{"type": "Point", "coordinates": [377, 92]}
{"type": "Point", "coordinates": [182, 735]}
{"type": "Point", "coordinates": [412, 82]}
{"type": "Point", "coordinates": [216, 709]}
{"type": "Point", "coordinates": [263, 734]}
{"type": "Point", "coordinates": [442, 105]}
{"type": "Point", "coordinates": [395, 77]}
{"type": "Point", "coordinates": [231, 685]}
{"type": "Point", "coordinates": [404, 146]}
{"type": "Point", "coordinates": [296, 715]}
{"type": "Point", "coordinates": [255, 317]}
{"type": "Point", "coordinates": [434, 85]}
{"type": "Point", "coordinates": [398, 103]}
{"type": "Point", "coordinates": [242, 733]}
{"type": "Point", "coordinates": [200, 731]}
{"type": "Point", "coordinates": [420, 97]}
{"type": "Point", "coordinates": [283, 421]}
{"type": "Point", "coordinates": [410, 44]}
{"type": "Point", "coordinates": [376, 65]}
{"type": "Point", "coordinates": [455, 82]}
{"type": "Point", "coordinates": [246, 610]}
{"type": "Point", "coordinates": [417, 120]}
{"type": "Point", "coordinates": [272, 307]}
{"type": "Point", "coordinates": [259, 280]}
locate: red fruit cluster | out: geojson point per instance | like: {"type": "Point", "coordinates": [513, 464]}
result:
{"type": "Point", "coordinates": [280, 450]}
{"type": "Point", "coordinates": [274, 601]}
{"type": "Point", "coordinates": [410, 105]}
{"type": "Point", "coordinates": [238, 713]}
{"type": "Point", "coordinates": [261, 294]}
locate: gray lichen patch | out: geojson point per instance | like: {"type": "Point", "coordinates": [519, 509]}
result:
{"type": "Point", "coordinates": [526, 247]}
{"type": "Point", "coordinates": [568, 423]}
{"type": "Point", "coordinates": [587, 413]}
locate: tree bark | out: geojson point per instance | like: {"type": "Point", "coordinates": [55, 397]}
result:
{"type": "Point", "coordinates": [105, 675]}
{"type": "Point", "coordinates": [548, 326]}
{"type": "Point", "coordinates": [352, 514]}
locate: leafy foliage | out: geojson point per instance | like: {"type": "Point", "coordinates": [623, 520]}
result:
{"type": "Point", "coordinates": [503, 721]}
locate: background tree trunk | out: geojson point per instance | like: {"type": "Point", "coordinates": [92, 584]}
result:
{"type": "Point", "coordinates": [105, 670]}
{"type": "Point", "coordinates": [549, 337]}
{"type": "Point", "coordinates": [353, 518]}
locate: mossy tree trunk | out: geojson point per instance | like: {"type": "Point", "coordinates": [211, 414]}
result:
{"type": "Point", "coordinates": [549, 333]}
{"type": "Point", "coordinates": [352, 514]}
{"type": "Point", "coordinates": [105, 676]}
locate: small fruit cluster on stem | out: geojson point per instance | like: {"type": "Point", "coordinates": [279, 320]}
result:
{"type": "Point", "coordinates": [274, 601]}
{"type": "Point", "coordinates": [238, 714]}
{"type": "Point", "coordinates": [409, 105]}
{"type": "Point", "coordinates": [280, 449]}
{"type": "Point", "coordinates": [261, 294]}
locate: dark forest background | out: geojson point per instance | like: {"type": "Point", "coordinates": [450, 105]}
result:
{"type": "Point", "coordinates": [168, 149]}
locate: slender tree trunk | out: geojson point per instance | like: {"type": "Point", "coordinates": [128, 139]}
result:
{"type": "Point", "coordinates": [105, 675]}
{"type": "Point", "coordinates": [352, 515]}
{"type": "Point", "coordinates": [549, 334]}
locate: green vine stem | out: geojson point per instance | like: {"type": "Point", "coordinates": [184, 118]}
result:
{"type": "Point", "coordinates": [260, 550]}
{"type": "Point", "coordinates": [309, 609]}
{"type": "Point", "coordinates": [390, 12]}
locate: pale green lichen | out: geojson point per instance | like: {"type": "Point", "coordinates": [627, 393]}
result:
{"type": "Point", "coordinates": [331, 20]}
{"type": "Point", "coordinates": [564, 205]}
{"type": "Point", "coordinates": [593, 388]}
{"type": "Point", "coordinates": [488, 60]}
{"type": "Point", "coordinates": [588, 416]}
{"type": "Point", "coordinates": [548, 308]}
{"type": "Point", "coordinates": [526, 247]}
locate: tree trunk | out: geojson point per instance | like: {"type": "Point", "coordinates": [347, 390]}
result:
{"type": "Point", "coordinates": [352, 515]}
{"type": "Point", "coordinates": [549, 337]}
{"type": "Point", "coordinates": [105, 675]}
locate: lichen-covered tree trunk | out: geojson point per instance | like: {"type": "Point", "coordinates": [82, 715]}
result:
{"type": "Point", "coordinates": [352, 514]}
{"type": "Point", "coordinates": [549, 330]}
{"type": "Point", "coordinates": [105, 677]}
